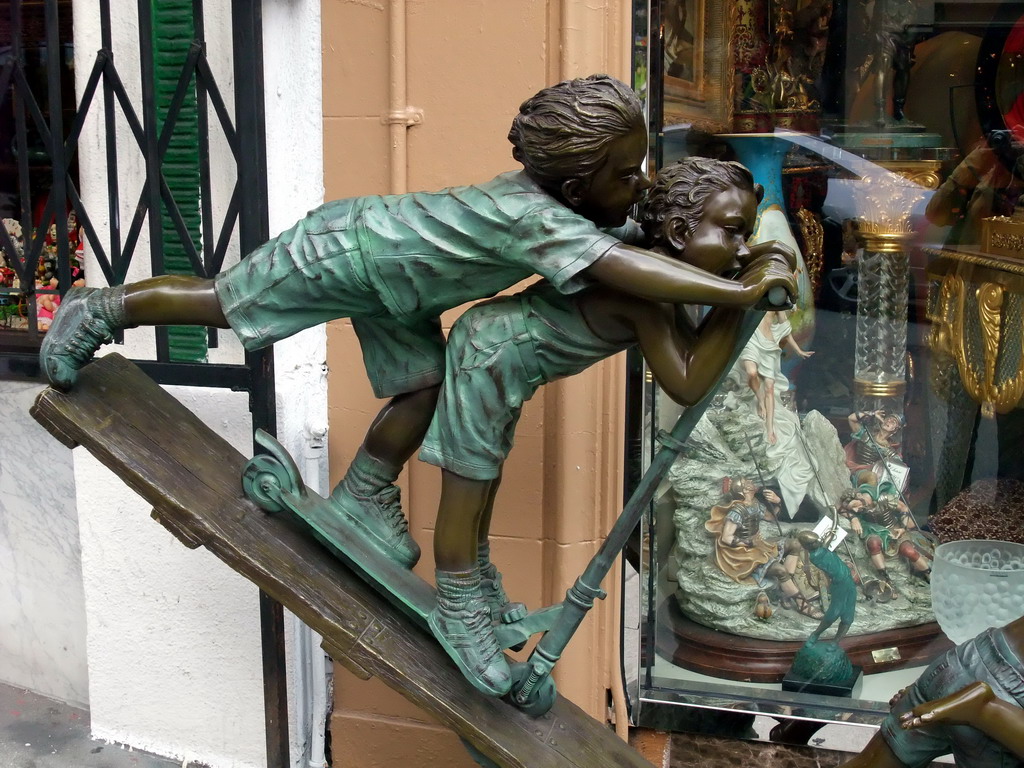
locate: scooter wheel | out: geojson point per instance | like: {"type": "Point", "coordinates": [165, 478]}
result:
{"type": "Point", "coordinates": [263, 480]}
{"type": "Point", "coordinates": [541, 697]}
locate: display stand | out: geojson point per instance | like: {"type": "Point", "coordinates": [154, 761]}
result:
{"type": "Point", "coordinates": [191, 476]}
{"type": "Point", "coordinates": [731, 657]}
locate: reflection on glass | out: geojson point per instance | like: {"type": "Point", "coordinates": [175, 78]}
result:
{"type": "Point", "coordinates": [899, 417]}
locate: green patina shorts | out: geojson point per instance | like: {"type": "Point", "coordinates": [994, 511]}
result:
{"type": "Point", "coordinates": [491, 373]}
{"type": "Point", "coordinates": [314, 273]}
{"type": "Point", "coordinates": [988, 658]}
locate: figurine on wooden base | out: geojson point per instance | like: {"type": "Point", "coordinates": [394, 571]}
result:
{"type": "Point", "coordinates": [969, 703]}
{"type": "Point", "coordinates": [394, 263]}
{"type": "Point", "coordinates": [501, 351]}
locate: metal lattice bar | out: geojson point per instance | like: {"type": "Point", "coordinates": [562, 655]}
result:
{"type": "Point", "coordinates": [106, 55]}
{"type": "Point", "coordinates": [58, 190]}
{"type": "Point", "coordinates": [205, 182]}
{"type": "Point", "coordinates": [210, 83]}
{"type": "Point", "coordinates": [230, 217]}
{"type": "Point", "coordinates": [21, 139]}
{"type": "Point", "coordinates": [151, 187]}
{"type": "Point", "coordinates": [54, 137]}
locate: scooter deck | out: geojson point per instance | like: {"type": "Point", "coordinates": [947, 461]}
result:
{"type": "Point", "coordinates": [347, 540]}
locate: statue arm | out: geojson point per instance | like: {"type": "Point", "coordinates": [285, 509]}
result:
{"type": "Point", "coordinates": [790, 343]}
{"type": "Point", "coordinates": [660, 278]}
{"type": "Point", "coordinates": [686, 367]}
{"type": "Point", "coordinates": [729, 533]}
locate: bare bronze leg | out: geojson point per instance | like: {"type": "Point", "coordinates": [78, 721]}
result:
{"type": "Point", "coordinates": [399, 428]}
{"type": "Point", "coordinates": [484, 529]}
{"type": "Point", "coordinates": [89, 318]}
{"type": "Point", "coordinates": [173, 300]}
{"type": "Point", "coordinates": [457, 534]}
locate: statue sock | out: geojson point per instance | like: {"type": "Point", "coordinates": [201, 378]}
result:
{"type": "Point", "coordinates": [108, 305]}
{"type": "Point", "coordinates": [461, 622]}
{"type": "Point", "coordinates": [368, 475]}
{"type": "Point", "coordinates": [490, 580]}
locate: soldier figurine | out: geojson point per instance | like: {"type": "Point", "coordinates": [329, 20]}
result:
{"type": "Point", "coordinates": [744, 555]}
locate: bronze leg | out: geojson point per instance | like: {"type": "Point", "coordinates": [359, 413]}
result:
{"type": "Point", "coordinates": [173, 300]}
{"type": "Point", "coordinates": [463, 503]}
{"type": "Point", "coordinates": [399, 428]}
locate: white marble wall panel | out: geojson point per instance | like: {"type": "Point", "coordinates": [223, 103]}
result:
{"type": "Point", "coordinates": [42, 613]}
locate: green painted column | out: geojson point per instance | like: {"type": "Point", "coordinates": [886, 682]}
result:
{"type": "Point", "coordinates": [173, 32]}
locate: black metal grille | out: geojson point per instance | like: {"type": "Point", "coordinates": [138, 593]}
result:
{"type": "Point", "coordinates": [45, 125]}
{"type": "Point", "coordinates": [46, 134]}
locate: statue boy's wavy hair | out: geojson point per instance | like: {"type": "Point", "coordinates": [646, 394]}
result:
{"type": "Point", "coordinates": [564, 131]}
{"type": "Point", "coordinates": [683, 188]}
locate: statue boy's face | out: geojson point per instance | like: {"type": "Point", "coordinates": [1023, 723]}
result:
{"type": "Point", "coordinates": [718, 244]}
{"type": "Point", "coordinates": [619, 184]}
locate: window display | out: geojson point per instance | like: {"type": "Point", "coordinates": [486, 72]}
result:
{"type": "Point", "coordinates": [42, 245]}
{"type": "Point", "coordinates": [877, 420]}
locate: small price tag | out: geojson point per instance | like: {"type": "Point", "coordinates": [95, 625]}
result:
{"type": "Point", "coordinates": [886, 654]}
{"type": "Point", "coordinates": [824, 526]}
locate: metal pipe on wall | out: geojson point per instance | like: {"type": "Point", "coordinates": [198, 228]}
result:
{"type": "Point", "coordinates": [400, 116]}
{"type": "Point", "coordinates": [398, 98]}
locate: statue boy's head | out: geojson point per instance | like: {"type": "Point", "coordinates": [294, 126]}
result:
{"type": "Point", "coordinates": [585, 142]}
{"type": "Point", "coordinates": [702, 211]}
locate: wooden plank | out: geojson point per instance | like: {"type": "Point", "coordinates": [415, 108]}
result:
{"type": "Point", "coordinates": [190, 476]}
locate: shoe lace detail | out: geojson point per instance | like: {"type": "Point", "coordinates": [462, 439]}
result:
{"type": "Point", "coordinates": [389, 502]}
{"type": "Point", "coordinates": [92, 330]}
{"type": "Point", "coordinates": [477, 620]}
{"type": "Point", "coordinates": [85, 341]}
{"type": "Point", "coordinates": [491, 587]}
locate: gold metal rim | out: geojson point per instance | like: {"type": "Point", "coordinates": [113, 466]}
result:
{"type": "Point", "coordinates": [883, 242]}
{"type": "Point", "coordinates": [879, 388]}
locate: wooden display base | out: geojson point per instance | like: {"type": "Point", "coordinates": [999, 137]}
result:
{"type": "Point", "coordinates": [192, 477]}
{"type": "Point", "coordinates": [692, 646]}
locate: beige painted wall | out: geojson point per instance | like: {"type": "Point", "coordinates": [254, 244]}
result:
{"type": "Point", "coordinates": [469, 63]}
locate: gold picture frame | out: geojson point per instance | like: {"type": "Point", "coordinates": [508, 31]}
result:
{"type": "Point", "coordinates": [696, 45]}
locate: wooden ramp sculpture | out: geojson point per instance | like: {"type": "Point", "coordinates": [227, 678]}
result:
{"type": "Point", "coordinates": [191, 477]}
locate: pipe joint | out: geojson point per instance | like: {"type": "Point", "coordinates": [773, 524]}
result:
{"type": "Point", "coordinates": [408, 117]}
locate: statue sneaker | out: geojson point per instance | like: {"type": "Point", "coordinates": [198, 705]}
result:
{"type": "Point", "coordinates": [461, 622]}
{"type": "Point", "coordinates": [381, 517]}
{"type": "Point", "coordinates": [495, 597]}
{"type": "Point", "coordinates": [84, 322]}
